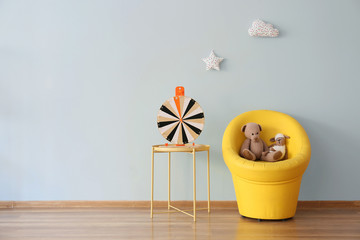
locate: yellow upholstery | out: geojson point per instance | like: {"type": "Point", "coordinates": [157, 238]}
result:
{"type": "Point", "coordinates": [267, 190]}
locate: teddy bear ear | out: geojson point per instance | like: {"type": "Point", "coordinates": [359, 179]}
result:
{"type": "Point", "coordinates": [272, 139]}
{"type": "Point", "coordinates": [286, 136]}
{"type": "Point", "coordinates": [260, 127]}
{"type": "Point", "coordinates": [243, 128]}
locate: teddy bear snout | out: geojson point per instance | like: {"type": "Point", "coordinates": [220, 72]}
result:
{"type": "Point", "coordinates": [256, 138]}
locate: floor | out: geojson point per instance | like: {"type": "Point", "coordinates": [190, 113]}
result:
{"type": "Point", "coordinates": [135, 223]}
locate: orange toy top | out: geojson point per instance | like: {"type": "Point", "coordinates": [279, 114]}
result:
{"type": "Point", "coordinates": [179, 91]}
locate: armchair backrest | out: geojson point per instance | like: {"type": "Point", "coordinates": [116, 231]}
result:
{"type": "Point", "coordinates": [272, 122]}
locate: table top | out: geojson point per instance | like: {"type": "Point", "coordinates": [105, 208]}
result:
{"type": "Point", "coordinates": [185, 148]}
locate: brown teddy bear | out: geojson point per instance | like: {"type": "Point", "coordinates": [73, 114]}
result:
{"type": "Point", "coordinates": [279, 145]}
{"type": "Point", "coordinates": [253, 146]}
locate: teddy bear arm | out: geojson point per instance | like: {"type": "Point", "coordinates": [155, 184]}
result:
{"type": "Point", "coordinates": [245, 145]}
{"type": "Point", "coordinates": [265, 147]}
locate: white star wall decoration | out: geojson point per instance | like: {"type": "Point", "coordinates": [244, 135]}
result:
{"type": "Point", "coordinates": [212, 62]}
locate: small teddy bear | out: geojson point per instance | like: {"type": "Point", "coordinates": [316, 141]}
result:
{"type": "Point", "coordinates": [253, 146]}
{"type": "Point", "coordinates": [278, 146]}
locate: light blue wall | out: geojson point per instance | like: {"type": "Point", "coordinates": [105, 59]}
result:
{"type": "Point", "coordinates": [81, 83]}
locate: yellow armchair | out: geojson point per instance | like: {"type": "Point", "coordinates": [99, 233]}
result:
{"type": "Point", "coordinates": [267, 190]}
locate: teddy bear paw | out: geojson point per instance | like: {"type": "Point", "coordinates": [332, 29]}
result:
{"type": "Point", "coordinates": [248, 155]}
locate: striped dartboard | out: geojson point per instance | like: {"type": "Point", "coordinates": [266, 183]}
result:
{"type": "Point", "coordinates": [180, 120]}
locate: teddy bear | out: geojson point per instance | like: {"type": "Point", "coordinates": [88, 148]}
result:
{"type": "Point", "coordinates": [278, 146]}
{"type": "Point", "coordinates": [253, 146]}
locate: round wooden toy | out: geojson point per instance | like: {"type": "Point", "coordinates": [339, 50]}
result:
{"type": "Point", "coordinates": [180, 119]}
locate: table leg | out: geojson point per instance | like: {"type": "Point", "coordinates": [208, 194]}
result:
{"type": "Point", "coordinates": [194, 179]}
{"type": "Point", "coordinates": [152, 182]}
{"type": "Point", "coordinates": [169, 158]}
{"type": "Point", "coordinates": [208, 179]}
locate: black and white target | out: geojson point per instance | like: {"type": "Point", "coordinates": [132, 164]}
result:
{"type": "Point", "coordinates": [180, 120]}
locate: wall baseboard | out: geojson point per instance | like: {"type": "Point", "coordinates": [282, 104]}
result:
{"type": "Point", "coordinates": [6, 204]}
{"type": "Point", "coordinates": [328, 204]}
{"type": "Point", "coordinates": [146, 204]}
{"type": "Point", "coordinates": [111, 204]}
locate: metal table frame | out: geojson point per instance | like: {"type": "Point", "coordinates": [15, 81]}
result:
{"type": "Point", "coordinates": [189, 148]}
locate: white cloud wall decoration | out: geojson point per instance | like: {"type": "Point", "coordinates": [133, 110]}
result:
{"type": "Point", "coordinates": [261, 29]}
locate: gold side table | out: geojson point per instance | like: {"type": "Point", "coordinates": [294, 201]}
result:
{"type": "Point", "coordinates": [189, 148]}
